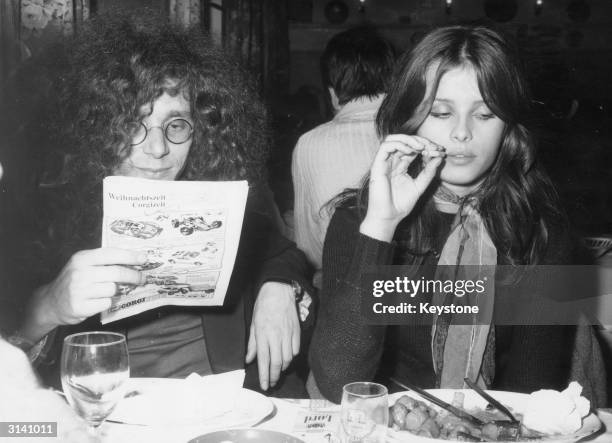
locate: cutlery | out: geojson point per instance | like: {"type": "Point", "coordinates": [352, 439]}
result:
{"type": "Point", "coordinates": [270, 416]}
{"type": "Point", "coordinates": [441, 403]}
{"type": "Point", "coordinates": [490, 399]}
{"type": "Point", "coordinates": [468, 437]}
{"type": "Point", "coordinates": [605, 251]}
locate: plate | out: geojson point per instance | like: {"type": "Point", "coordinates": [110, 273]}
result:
{"type": "Point", "coordinates": [512, 400]}
{"type": "Point", "coordinates": [246, 436]}
{"type": "Point", "coordinates": [176, 402]}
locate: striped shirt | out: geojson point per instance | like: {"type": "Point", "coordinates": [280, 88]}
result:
{"type": "Point", "coordinates": [328, 159]}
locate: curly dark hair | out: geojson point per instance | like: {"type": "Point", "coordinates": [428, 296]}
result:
{"type": "Point", "coordinates": [119, 64]}
{"type": "Point", "coordinates": [116, 65]}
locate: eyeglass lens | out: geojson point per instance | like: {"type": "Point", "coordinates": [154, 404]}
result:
{"type": "Point", "coordinates": [176, 131]}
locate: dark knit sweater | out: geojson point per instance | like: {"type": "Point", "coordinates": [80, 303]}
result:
{"type": "Point", "coordinates": [345, 349]}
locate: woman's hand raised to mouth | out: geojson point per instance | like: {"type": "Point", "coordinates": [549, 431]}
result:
{"type": "Point", "coordinates": [393, 193]}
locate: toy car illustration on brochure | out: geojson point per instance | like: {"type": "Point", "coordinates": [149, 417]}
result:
{"type": "Point", "coordinates": [124, 289]}
{"type": "Point", "coordinates": [174, 289]}
{"type": "Point", "coordinates": [161, 280]}
{"type": "Point", "coordinates": [187, 224]}
{"type": "Point", "coordinates": [185, 257]}
{"type": "Point", "coordinates": [148, 266]}
{"type": "Point", "coordinates": [138, 229]}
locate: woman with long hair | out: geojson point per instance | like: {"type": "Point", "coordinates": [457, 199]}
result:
{"type": "Point", "coordinates": [455, 182]}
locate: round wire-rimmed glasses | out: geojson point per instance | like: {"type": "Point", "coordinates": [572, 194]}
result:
{"type": "Point", "coordinates": [176, 131]}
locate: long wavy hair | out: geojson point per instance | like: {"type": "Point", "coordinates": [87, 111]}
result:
{"type": "Point", "coordinates": [114, 66]}
{"type": "Point", "coordinates": [516, 199]}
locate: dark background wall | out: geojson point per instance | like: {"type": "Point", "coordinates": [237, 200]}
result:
{"type": "Point", "coordinates": [107, 5]}
{"type": "Point", "coordinates": [566, 45]}
{"type": "Point", "coordinates": [567, 49]}
{"type": "Point", "coordinates": [561, 38]}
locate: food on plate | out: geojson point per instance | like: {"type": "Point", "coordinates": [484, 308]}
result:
{"type": "Point", "coordinates": [553, 412]}
{"type": "Point", "coordinates": [421, 418]}
{"type": "Point", "coordinates": [544, 413]}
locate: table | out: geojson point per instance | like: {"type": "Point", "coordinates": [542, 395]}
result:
{"type": "Point", "coordinates": [288, 410]}
{"type": "Point", "coordinates": [283, 420]}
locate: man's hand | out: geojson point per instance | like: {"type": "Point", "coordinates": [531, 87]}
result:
{"type": "Point", "coordinates": [275, 332]}
{"type": "Point", "coordinates": [84, 287]}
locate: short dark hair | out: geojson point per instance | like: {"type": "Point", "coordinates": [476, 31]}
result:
{"type": "Point", "coordinates": [357, 62]}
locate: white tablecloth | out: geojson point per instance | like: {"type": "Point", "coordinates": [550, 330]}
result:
{"type": "Point", "coordinates": [284, 420]}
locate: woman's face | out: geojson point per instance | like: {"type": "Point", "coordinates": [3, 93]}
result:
{"type": "Point", "coordinates": [156, 157]}
{"type": "Point", "coordinates": [460, 121]}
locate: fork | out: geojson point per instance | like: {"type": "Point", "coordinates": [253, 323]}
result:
{"type": "Point", "coordinates": [490, 399]}
{"type": "Point", "coordinates": [441, 403]}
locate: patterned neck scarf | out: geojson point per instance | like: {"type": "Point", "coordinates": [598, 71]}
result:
{"type": "Point", "coordinates": [464, 350]}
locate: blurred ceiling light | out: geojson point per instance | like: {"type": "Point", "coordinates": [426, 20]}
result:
{"type": "Point", "coordinates": [538, 6]}
{"type": "Point", "coordinates": [449, 4]}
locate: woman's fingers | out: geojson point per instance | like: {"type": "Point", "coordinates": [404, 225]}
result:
{"type": "Point", "coordinates": [429, 145]}
{"type": "Point", "coordinates": [389, 147]}
{"type": "Point", "coordinates": [425, 177]}
{"type": "Point", "coordinates": [407, 145]}
{"type": "Point", "coordinates": [415, 141]}
{"type": "Point", "coordinates": [389, 153]}
{"type": "Point", "coordinates": [407, 139]}
{"type": "Point", "coordinates": [402, 163]}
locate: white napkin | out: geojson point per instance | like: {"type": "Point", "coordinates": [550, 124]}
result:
{"type": "Point", "coordinates": [179, 402]}
{"type": "Point", "coordinates": [554, 412]}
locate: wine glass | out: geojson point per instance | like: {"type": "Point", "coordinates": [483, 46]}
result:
{"type": "Point", "coordinates": [364, 413]}
{"type": "Point", "coordinates": [94, 368]}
